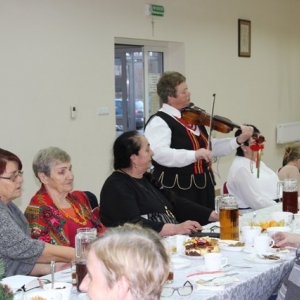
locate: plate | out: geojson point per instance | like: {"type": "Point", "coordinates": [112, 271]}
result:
{"type": "Point", "coordinates": [179, 263]}
{"type": "Point", "coordinates": [182, 253]}
{"type": "Point", "coordinates": [256, 259]}
{"type": "Point", "coordinates": [251, 250]}
{"type": "Point", "coordinates": [223, 280]}
{"type": "Point", "coordinates": [224, 245]}
{"type": "Point", "coordinates": [83, 296]}
{"type": "Point", "coordinates": [203, 269]}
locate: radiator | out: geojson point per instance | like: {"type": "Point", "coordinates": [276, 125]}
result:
{"type": "Point", "coordinates": [288, 133]}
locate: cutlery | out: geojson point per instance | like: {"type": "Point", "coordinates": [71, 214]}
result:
{"type": "Point", "coordinates": [212, 279]}
{"type": "Point", "coordinates": [235, 266]}
{"type": "Point", "coordinates": [270, 257]}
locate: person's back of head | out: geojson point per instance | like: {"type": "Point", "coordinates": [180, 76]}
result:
{"type": "Point", "coordinates": [291, 153]}
{"type": "Point", "coordinates": [239, 150]}
{"type": "Point", "coordinates": [135, 254]}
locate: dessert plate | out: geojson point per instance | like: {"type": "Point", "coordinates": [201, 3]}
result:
{"type": "Point", "coordinates": [226, 245]}
{"type": "Point", "coordinates": [259, 259]}
{"type": "Point", "coordinates": [218, 279]}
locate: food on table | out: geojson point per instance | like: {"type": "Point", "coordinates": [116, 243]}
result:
{"type": "Point", "coordinates": [238, 244]}
{"type": "Point", "coordinates": [199, 246]}
{"type": "Point", "coordinates": [37, 298]}
{"type": "Point", "coordinates": [266, 224]}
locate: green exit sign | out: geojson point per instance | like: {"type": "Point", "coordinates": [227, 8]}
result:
{"type": "Point", "coordinates": [156, 10]}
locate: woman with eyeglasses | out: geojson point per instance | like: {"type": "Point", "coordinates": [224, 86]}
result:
{"type": "Point", "coordinates": [55, 212]}
{"type": "Point", "coordinates": [21, 254]}
{"type": "Point", "coordinates": [249, 179]}
{"type": "Point", "coordinates": [126, 263]}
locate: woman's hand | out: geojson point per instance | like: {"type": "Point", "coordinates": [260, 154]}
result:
{"type": "Point", "coordinates": [283, 239]}
{"type": "Point", "coordinates": [214, 216]}
{"type": "Point", "coordinates": [188, 227]}
{"type": "Point", "coordinates": [203, 154]}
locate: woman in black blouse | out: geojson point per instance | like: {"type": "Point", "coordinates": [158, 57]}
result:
{"type": "Point", "coordinates": [130, 194]}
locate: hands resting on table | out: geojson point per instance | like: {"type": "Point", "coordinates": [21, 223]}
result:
{"type": "Point", "coordinates": [283, 239]}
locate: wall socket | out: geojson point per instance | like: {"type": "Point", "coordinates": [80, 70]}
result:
{"type": "Point", "coordinates": [102, 110]}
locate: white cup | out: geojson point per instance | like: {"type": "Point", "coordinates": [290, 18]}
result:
{"type": "Point", "coordinates": [64, 288]}
{"type": "Point", "coordinates": [214, 261]}
{"type": "Point", "coordinates": [249, 233]}
{"type": "Point", "coordinates": [180, 242]}
{"type": "Point", "coordinates": [263, 244]}
{"type": "Point", "coordinates": [171, 244]}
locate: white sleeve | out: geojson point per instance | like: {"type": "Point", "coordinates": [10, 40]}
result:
{"type": "Point", "coordinates": [158, 134]}
{"type": "Point", "coordinates": [223, 147]}
{"type": "Point", "coordinates": [244, 187]}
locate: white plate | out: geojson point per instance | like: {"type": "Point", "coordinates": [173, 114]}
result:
{"type": "Point", "coordinates": [224, 245]}
{"type": "Point", "coordinates": [83, 296]}
{"type": "Point", "coordinates": [216, 282]}
{"type": "Point", "coordinates": [189, 256]}
{"type": "Point", "coordinates": [256, 259]}
{"type": "Point", "coordinates": [180, 263]}
{"type": "Point", "coordinates": [202, 268]}
{"type": "Point", "coordinates": [252, 251]}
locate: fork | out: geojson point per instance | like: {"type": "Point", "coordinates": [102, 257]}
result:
{"type": "Point", "coordinates": [208, 280]}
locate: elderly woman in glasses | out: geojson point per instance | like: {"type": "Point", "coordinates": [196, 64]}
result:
{"type": "Point", "coordinates": [20, 253]}
{"type": "Point", "coordinates": [249, 179]}
{"type": "Point", "coordinates": [111, 261]}
{"type": "Point", "coordinates": [55, 212]}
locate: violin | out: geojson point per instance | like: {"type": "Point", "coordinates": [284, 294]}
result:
{"type": "Point", "coordinates": [197, 116]}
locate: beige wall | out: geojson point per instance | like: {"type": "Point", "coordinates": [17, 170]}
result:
{"type": "Point", "coordinates": [58, 53]}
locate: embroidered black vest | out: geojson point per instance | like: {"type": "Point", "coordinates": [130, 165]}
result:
{"type": "Point", "coordinates": [183, 138]}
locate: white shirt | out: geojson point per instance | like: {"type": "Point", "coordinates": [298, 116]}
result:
{"type": "Point", "coordinates": [159, 134]}
{"type": "Point", "coordinates": [249, 190]}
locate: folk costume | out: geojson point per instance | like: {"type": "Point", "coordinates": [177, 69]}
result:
{"type": "Point", "coordinates": [174, 143]}
{"type": "Point", "coordinates": [52, 224]}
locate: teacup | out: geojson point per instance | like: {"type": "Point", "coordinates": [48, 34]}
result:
{"type": "Point", "coordinates": [64, 288]}
{"type": "Point", "coordinates": [263, 243]}
{"type": "Point", "coordinates": [248, 233]}
{"type": "Point", "coordinates": [214, 261]}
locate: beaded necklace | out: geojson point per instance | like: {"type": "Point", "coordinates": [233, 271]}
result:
{"type": "Point", "coordinates": [74, 219]}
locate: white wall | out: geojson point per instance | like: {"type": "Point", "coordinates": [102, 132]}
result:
{"type": "Point", "coordinates": [58, 53]}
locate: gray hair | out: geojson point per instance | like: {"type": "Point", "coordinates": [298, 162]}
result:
{"type": "Point", "coordinates": [45, 159]}
{"type": "Point", "coordinates": [136, 254]}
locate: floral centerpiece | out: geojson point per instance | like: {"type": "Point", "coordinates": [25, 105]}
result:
{"type": "Point", "coordinates": [5, 291]}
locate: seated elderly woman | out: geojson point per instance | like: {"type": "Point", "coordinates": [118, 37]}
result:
{"type": "Point", "coordinates": [111, 265]}
{"type": "Point", "coordinates": [130, 194]}
{"type": "Point", "coordinates": [55, 213]}
{"type": "Point", "coordinates": [21, 254]}
{"type": "Point", "coordinates": [253, 189]}
{"type": "Point", "coordinates": [291, 164]}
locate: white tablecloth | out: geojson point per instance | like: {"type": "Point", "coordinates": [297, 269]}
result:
{"type": "Point", "coordinates": [255, 283]}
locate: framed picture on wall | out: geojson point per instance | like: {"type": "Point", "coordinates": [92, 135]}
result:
{"type": "Point", "coordinates": [244, 38]}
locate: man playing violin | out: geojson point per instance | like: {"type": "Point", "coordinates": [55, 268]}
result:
{"type": "Point", "coordinates": [182, 159]}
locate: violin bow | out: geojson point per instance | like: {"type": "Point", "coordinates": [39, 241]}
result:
{"type": "Point", "coordinates": [211, 126]}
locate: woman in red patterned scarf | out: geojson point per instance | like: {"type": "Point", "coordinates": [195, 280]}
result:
{"type": "Point", "coordinates": [55, 212]}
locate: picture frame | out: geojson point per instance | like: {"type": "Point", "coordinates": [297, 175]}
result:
{"type": "Point", "coordinates": [244, 38]}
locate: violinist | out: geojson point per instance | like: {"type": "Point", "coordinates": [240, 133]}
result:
{"type": "Point", "coordinates": [182, 158]}
{"type": "Point", "coordinates": [249, 179]}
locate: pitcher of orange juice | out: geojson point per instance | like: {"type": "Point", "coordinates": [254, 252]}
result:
{"type": "Point", "coordinates": [229, 217]}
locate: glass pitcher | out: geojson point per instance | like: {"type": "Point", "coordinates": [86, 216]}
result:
{"type": "Point", "coordinates": [229, 217]}
{"type": "Point", "coordinates": [83, 238]}
{"type": "Point", "coordinates": [289, 195]}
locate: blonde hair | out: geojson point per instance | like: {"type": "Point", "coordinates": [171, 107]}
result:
{"type": "Point", "coordinates": [291, 153]}
{"type": "Point", "coordinates": [136, 254]}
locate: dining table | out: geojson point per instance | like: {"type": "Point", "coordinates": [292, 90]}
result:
{"type": "Point", "coordinates": [253, 278]}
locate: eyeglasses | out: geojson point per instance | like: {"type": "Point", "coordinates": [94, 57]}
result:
{"type": "Point", "coordinates": [13, 177]}
{"type": "Point", "coordinates": [259, 139]}
{"type": "Point", "coordinates": [184, 290]}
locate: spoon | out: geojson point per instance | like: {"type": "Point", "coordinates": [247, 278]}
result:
{"type": "Point", "coordinates": [52, 266]}
{"type": "Point", "coordinates": [252, 221]}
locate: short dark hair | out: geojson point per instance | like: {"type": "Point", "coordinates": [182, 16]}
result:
{"type": "Point", "coordinates": [239, 151]}
{"type": "Point", "coordinates": [167, 84]}
{"type": "Point", "coordinates": [5, 157]}
{"type": "Point", "coordinates": [125, 145]}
